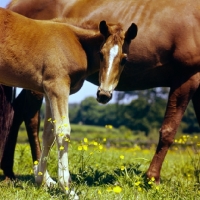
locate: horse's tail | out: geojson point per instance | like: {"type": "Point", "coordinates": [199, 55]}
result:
{"type": "Point", "coordinates": [6, 115]}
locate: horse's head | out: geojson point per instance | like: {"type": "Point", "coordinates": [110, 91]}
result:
{"type": "Point", "coordinates": [113, 57]}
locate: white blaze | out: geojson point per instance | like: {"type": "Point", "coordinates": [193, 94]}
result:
{"type": "Point", "coordinates": [113, 54]}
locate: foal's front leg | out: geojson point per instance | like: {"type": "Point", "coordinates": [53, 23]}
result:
{"type": "Point", "coordinates": [179, 98]}
{"type": "Point", "coordinates": [58, 100]}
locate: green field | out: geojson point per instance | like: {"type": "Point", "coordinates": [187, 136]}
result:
{"type": "Point", "coordinates": [108, 165]}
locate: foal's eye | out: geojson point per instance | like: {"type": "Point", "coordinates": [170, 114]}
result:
{"type": "Point", "coordinates": [101, 56]}
{"type": "Point", "coordinates": [124, 59]}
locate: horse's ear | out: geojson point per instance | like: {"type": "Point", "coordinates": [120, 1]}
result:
{"type": "Point", "coordinates": [103, 28]}
{"type": "Point", "coordinates": [131, 33]}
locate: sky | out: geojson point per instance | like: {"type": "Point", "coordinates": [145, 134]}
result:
{"type": "Point", "coordinates": [88, 89]}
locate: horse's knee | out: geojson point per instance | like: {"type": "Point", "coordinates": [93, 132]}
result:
{"type": "Point", "coordinates": [167, 135]}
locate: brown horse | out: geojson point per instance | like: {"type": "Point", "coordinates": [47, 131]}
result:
{"type": "Point", "coordinates": [164, 54]}
{"type": "Point", "coordinates": [55, 58]}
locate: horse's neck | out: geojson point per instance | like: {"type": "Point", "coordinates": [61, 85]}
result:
{"type": "Point", "coordinates": [91, 41]}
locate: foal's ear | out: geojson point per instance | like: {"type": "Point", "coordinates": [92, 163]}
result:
{"type": "Point", "coordinates": [131, 33]}
{"type": "Point", "coordinates": [103, 28]}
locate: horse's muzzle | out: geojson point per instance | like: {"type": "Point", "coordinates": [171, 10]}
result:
{"type": "Point", "coordinates": [103, 96]}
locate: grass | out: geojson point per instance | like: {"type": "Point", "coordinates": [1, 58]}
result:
{"type": "Point", "coordinates": [109, 174]}
{"type": "Point", "coordinates": [100, 173]}
{"type": "Point", "coordinates": [115, 137]}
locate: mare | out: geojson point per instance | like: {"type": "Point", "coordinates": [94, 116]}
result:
{"type": "Point", "coordinates": [164, 54]}
{"type": "Point", "coordinates": [54, 58]}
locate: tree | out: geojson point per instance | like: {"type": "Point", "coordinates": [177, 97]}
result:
{"type": "Point", "coordinates": [90, 112]}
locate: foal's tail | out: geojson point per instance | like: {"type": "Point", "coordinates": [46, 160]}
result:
{"type": "Point", "coordinates": [6, 115]}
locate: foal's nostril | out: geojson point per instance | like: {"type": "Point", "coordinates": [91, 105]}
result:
{"type": "Point", "coordinates": [103, 96]}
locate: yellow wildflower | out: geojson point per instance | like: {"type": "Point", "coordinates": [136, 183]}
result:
{"type": "Point", "coordinates": [95, 143]}
{"type": "Point", "coordinates": [85, 147]}
{"type": "Point", "coordinates": [66, 188]}
{"type": "Point", "coordinates": [40, 173]}
{"type": "Point", "coordinates": [137, 183]}
{"type": "Point", "coordinates": [152, 179]}
{"type": "Point", "coordinates": [157, 188]}
{"type": "Point", "coordinates": [49, 120]}
{"type": "Point", "coordinates": [80, 148]}
{"type": "Point", "coordinates": [99, 192]}
{"type": "Point", "coordinates": [61, 148]}
{"type": "Point", "coordinates": [85, 140]}
{"type": "Point", "coordinates": [104, 139]}
{"type": "Point", "coordinates": [117, 189]}
{"type": "Point", "coordinates": [35, 162]}
{"type": "Point", "coordinates": [122, 168]}
{"type": "Point", "coordinates": [122, 157]}
{"type": "Point", "coordinates": [150, 182]}
{"type": "Point", "coordinates": [100, 147]}
{"type": "Point", "coordinates": [109, 126]}
{"type": "Point", "coordinates": [67, 139]}
{"type": "Point", "coordinates": [61, 134]}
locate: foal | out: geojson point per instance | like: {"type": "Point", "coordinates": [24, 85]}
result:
{"type": "Point", "coordinates": [55, 58]}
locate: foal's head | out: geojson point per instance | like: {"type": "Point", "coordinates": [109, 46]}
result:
{"type": "Point", "coordinates": [113, 57]}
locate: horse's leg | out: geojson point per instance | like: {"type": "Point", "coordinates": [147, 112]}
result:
{"type": "Point", "coordinates": [6, 116]}
{"type": "Point", "coordinates": [48, 139]}
{"type": "Point", "coordinates": [196, 104]}
{"type": "Point", "coordinates": [58, 99]}
{"type": "Point", "coordinates": [179, 97]}
{"type": "Point", "coordinates": [8, 155]}
{"type": "Point", "coordinates": [32, 121]}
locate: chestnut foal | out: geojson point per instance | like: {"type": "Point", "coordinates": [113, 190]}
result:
{"type": "Point", "coordinates": [55, 58]}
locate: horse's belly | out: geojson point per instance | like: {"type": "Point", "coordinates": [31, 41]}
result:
{"type": "Point", "coordinates": [20, 78]}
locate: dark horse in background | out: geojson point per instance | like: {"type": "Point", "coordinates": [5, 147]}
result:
{"type": "Point", "coordinates": [166, 53]}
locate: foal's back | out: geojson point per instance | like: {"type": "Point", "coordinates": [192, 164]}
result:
{"type": "Point", "coordinates": [35, 50]}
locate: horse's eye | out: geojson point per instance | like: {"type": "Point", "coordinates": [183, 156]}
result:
{"type": "Point", "coordinates": [101, 56]}
{"type": "Point", "coordinates": [124, 59]}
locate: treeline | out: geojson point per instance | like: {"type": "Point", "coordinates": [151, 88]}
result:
{"type": "Point", "coordinates": [142, 114]}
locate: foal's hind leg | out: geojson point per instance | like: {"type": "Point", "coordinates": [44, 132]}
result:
{"type": "Point", "coordinates": [48, 138]}
{"type": "Point", "coordinates": [179, 98]}
{"type": "Point", "coordinates": [32, 122]}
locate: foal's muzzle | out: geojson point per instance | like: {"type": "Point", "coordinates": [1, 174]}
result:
{"type": "Point", "coordinates": [103, 96]}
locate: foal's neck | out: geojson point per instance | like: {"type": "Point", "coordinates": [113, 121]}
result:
{"type": "Point", "coordinates": [91, 41]}
{"type": "Point", "coordinates": [90, 38]}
